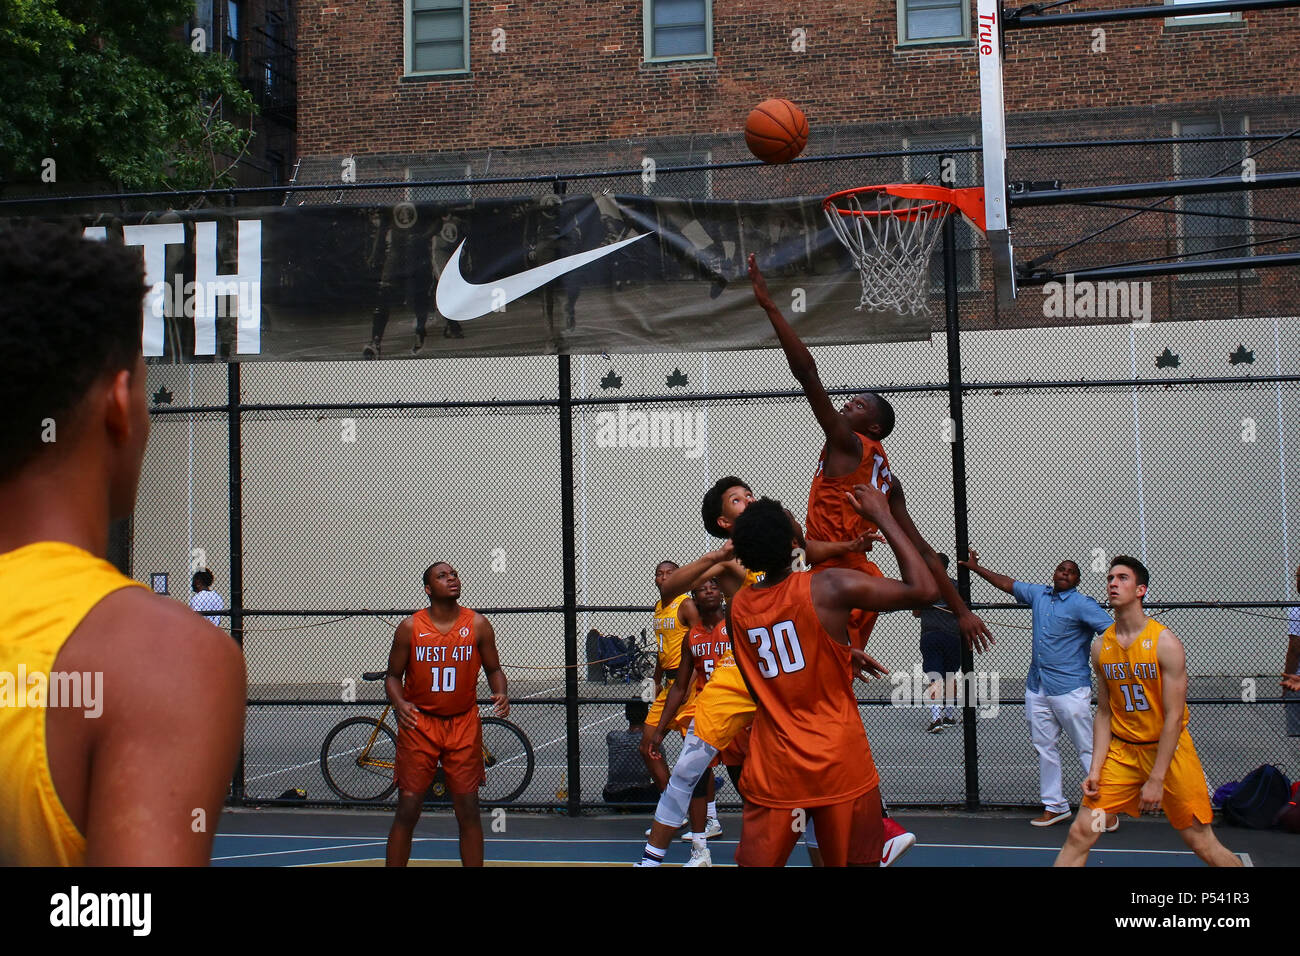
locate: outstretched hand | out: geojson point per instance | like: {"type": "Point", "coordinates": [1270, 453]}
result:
{"type": "Point", "coordinates": [869, 502]}
{"type": "Point", "coordinates": [975, 632]}
{"type": "Point", "coordinates": [973, 558]}
{"type": "Point", "coordinates": [1291, 682]}
{"type": "Point", "coordinates": [866, 667]}
{"type": "Point", "coordinates": [760, 284]}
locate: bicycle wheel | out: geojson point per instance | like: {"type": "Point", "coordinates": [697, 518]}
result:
{"type": "Point", "coordinates": [341, 765]}
{"type": "Point", "coordinates": [507, 761]}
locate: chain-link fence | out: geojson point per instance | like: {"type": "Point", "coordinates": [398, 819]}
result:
{"type": "Point", "coordinates": [1084, 436]}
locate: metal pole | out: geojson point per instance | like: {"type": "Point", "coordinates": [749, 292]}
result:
{"type": "Point", "coordinates": [962, 542]}
{"type": "Point", "coordinates": [236, 540]}
{"type": "Point", "coordinates": [1024, 18]}
{"type": "Point", "coordinates": [570, 587]}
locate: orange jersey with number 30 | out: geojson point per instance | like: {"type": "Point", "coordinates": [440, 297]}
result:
{"type": "Point", "coordinates": [830, 515]}
{"type": "Point", "coordinates": [1136, 693]}
{"type": "Point", "coordinates": [442, 672]}
{"type": "Point", "coordinates": [807, 747]}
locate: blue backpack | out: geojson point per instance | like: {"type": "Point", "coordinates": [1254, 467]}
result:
{"type": "Point", "coordinates": [1259, 798]}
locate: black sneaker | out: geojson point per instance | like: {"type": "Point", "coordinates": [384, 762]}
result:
{"type": "Point", "coordinates": [419, 342]}
{"type": "Point", "coordinates": [371, 351]}
{"type": "Point", "coordinates": [936, 726]}
{"type": "Point", "coordinates": [950, 720]}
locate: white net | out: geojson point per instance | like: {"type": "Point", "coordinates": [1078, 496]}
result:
{"type": "Point", "coordinates": [891, 239]}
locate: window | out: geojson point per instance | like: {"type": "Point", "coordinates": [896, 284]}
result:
{"type": "Point", "coordinates": [925, 21]}
{"type": "Point", "coordinates": [1199, 232]}
{"type": "Point", "coordinates": [678, 29]}
{"type": "Point", "coordinates": [1199, 18]}
{"type": "Point", "coordinates": [436, 36]}
{"type": "Point", "coordinates": [231, 43]}
{"type": "Point", "coordinates": [951, 170]}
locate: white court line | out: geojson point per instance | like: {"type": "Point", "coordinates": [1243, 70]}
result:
{"type": "Point", "coordinates": [309, 849]}
{"type": "Point", "coordinates": [537, 747]}
{"type": "Point", "coordinates": [1048, 849]}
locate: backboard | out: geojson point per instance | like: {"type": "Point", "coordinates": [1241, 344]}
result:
{"type": "Point", "coordinates": [988, 41]}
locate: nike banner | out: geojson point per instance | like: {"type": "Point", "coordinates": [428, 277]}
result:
{"type": "Point", "coordinates": [582, 274]}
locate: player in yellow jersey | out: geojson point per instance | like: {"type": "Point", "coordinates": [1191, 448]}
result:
{"type": "Point", "coordinates": [674, 617]}
{"type": "Point", "coordinates": [1143, 759]}
{"type": "Point", "coordinates": [132, 711]}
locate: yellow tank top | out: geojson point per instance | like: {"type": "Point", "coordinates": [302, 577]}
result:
{"type": "Point", "coordinates": [669, 633]}
{"type": "Point", "coordinates": [1137, 708]}
{"type": "Point", "coordinates": [45, 590]}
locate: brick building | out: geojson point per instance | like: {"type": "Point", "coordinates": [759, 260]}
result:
{"type": "Point", "coordinates": [463, 89]}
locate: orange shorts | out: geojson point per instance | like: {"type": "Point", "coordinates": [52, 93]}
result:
{"type": "Point", "coordinates": [848, 832]}
{"type": "Point", "coordinates": [861, 623]}
{"type": "Point", "coordinates": [1186, 797]}
{"type": "Point", "coordinates": [455, 742]}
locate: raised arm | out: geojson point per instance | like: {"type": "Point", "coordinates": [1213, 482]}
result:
{"type": "Point", "coordinates": [917, 586]}
{"type": "Point", "coordinates": [702, 568]}
{"type": "Point", "coordinates": [839, 436]}
{"type": "Point", "coordinates": [999, 581]}
{"type": "Point", "coordinates": [973, 630]}
{"type": "Point", "coordinates": [1173, 682]}
{"type": "Point", "coordinates": [496, 677]}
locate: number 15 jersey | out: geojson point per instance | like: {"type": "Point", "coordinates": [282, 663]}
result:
{"type": "Point", "coordinates": [1132, 675]}
{"type": "Point", "coordinates": [807, 747]}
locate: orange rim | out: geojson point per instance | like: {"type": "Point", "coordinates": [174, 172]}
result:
{"type": "Point", "coordinates": [936, 200]}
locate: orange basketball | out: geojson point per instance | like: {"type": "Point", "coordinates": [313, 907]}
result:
{"type": "Point", "coordinates": [776, 131]}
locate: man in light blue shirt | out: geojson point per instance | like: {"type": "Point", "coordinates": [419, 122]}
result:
{"type": "Point", "coordinates": [1058, 689]}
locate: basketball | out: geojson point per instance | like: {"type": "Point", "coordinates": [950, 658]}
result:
{"type": "Point", "coordinates": [776, 131]}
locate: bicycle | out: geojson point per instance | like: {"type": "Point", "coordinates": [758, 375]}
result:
{"type": "Point", "coordinates": [359, 754]}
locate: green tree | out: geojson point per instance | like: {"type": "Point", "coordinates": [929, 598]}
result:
{"type": "Point", "coordinates": [114, 91]}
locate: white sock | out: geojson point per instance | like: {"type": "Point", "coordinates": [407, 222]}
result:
{"type": "Point", "coordinates": [652, 855]}
{"type": "Point", "coordinates": [699, 842]}
{"type": "Point", "coordinates": [713, 810]}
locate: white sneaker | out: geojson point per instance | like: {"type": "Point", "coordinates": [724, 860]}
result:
{"type": "Point", "coordinates": [699, 856]}
{"type": "Point", "coordinates": [713, 828]}
{"type": "Point", "coordinates": [895, 848]}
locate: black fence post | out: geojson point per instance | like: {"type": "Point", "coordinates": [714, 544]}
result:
{"type": "Point", "coordinates": [236, 539]}
{"type": "Point", "coordinates": [570, 588]}
{"type": "Point", "coordinates": [570, 546]}
{"type": "Point", "coordinates": [960, 531]}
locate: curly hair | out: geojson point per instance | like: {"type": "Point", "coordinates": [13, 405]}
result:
{"type": "Point", "coordinates": [711, 509]}
{"type": "Point", "coordinates": [70, 313]}
{"type": "Point", "coordinates": [762, 537]}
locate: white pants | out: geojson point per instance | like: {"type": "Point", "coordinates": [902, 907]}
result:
{"type": "Point", "coordinates": [1047, 717]}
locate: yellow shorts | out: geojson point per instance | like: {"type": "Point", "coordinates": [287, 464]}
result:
{"type": "Point", "coordinates": [1186, 797]}
{"type": "Point", "coordinates": [724, 708]}
{"type": "Point", "coordinates": [657, 708]}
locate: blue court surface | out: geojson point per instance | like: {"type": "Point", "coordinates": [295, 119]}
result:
{"type": "Point", "coordinates": [991, 838]}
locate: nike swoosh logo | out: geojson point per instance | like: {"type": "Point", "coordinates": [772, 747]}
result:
{"type": "Point", "coordinates": [461, 300]}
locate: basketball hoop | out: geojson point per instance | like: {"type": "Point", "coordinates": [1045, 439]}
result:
{"type": "Point", "coordinates": [891, 232]}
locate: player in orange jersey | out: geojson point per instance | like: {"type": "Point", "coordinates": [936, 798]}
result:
{"type": "Point", "coordinates": [1143, 759]}
{"type": "Point", "coordinates": [432, 682]}
{"type": "Point", "coordinates": [808, 751]}
{"type": "Point", "coordinates": [705, 652]}
{"type": "Point", "coordinates": [853, 454]}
